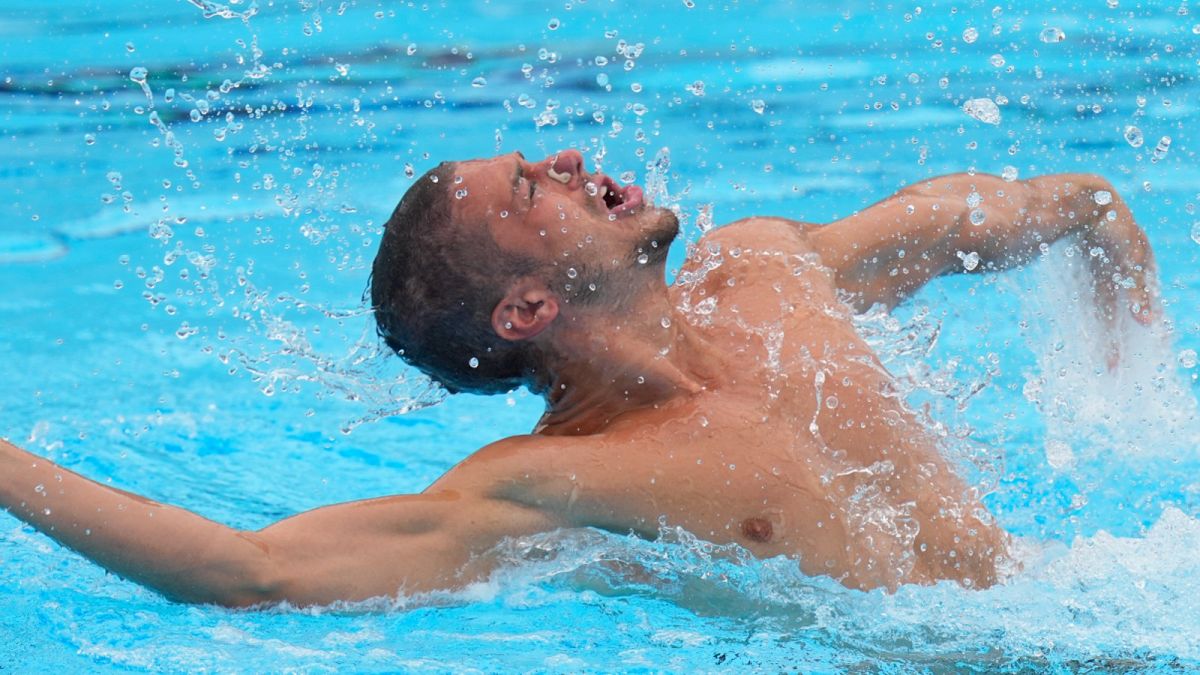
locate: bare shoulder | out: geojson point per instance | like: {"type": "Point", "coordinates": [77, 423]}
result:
{"type": "Point", "coordinates": [761, 231]}
{"type": "Point", "coordinates": [528, 470]}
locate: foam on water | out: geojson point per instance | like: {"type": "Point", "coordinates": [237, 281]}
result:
{"type": "Point", "coordinates": [1102, 600]}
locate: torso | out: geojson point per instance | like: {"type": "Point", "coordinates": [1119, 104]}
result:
{"type": "Point", "coordinates": [804, 450]}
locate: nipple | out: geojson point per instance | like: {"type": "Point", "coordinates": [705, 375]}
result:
{"type": "Point", "coordinates": [757, 529]}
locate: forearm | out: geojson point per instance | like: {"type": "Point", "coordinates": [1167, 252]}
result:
{"type": "Point", "coordinates": [1087, 210]}
{"type": "Point", "coordinates": [1021, 218]}
{"type": "Point", "coordinates": [178, 553]}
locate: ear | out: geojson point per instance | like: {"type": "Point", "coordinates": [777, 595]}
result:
{"type": "Point", "coordinates": [528, 308]}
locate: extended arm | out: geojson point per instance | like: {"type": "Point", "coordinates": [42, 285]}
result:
{"type": "Point", "coordinates": [349, 551]}
{"type": "Point", "coordinates": [889, 250]}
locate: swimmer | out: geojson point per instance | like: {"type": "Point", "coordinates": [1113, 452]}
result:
{"type": "Point", "coordinates": [739, 403]}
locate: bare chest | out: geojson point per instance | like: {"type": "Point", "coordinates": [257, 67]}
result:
{"type": "Point", "coordinates": [803, 450]}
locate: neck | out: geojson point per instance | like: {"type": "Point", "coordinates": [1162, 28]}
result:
{"type": "Point", "coordinates": [607, 363]}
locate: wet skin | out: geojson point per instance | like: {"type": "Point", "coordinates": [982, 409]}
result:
{"type": "Point", "coordinates": [738, 403]}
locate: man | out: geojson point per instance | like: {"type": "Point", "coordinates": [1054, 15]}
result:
{"type": "Point", "coordinates": [739, 403]}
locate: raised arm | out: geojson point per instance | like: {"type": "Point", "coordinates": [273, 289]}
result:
{"type": "Point", "coordinates": [352, 551]}
{"type": "Point", "coordinates": [889, 250]}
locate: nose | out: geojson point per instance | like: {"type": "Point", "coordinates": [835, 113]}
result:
{"type": "Point", "coordinates": [566, 167]}
{"type": "Point", "coordinates": [569, 161]}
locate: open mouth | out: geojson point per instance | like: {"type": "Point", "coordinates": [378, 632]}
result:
{"type": "Point", "coordinates": [619, 200]}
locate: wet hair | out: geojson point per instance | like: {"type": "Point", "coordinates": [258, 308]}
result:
{"type": "Point", "coordinates": [434, 285]}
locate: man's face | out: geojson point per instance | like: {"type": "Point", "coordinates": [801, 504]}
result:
{"type": "Point", "coordinates": [556, 212]}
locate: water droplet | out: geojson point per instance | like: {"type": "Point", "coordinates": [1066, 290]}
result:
{"type": "Point", "coordinates": [572, 273]}
{"type": "Point", "coordinates": [1160, 150]}
{"type": "Point", "coordinates": [138, 74]}
{"type": "Point", "coordinates": [643, 259]}
{"type": "Point", "coordinates": [983, 109]}
{"type": "Point", "coordinates": [1187, 358]}
{"type": "Point", "coordinates": [1133, 136]}
{"type": "Point", "coordinates": [553, 24]}
{"type": "Point", "coordinates": [460, 193]}
{"type": "Point", "coordinates": [409, 171]}
{"type": "Point", "coordinates": [479, 82]}
{"type": "Point", "coordinates": [412, 49]}
{"type": "Point", "coordinates": [758, 105]}
{"type": "Point", "coordinates": [666, 322]}
{"type": "Point", "coordinates": [1196, 231]}
{"type": "Point", "coordinates": [89, 139]}
{"type": "Point", "coordinates": [970, 35]}
{"type": "Point", "coordinates": [969, 260]}
{"type": "Point", "coordinates": [473, 362]}
{"type": "Point", "coordinates": [974, 199]}
{"type": "Point", "coordinates": [1102, 197]}
{"type": "Point", "coordinates": [910, 209]}
{"type": "Point", "coordinates": [996, 60]}
{"type": "Point", "coordinates": [1052, 35]}
{"type": "Point", "coordinates": [1009, 174]}
{"type": "Point", "coordinates": [977, 217]}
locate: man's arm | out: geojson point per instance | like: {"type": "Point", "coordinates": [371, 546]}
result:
{"type": "Point", "coordinates": [351, 551]}
{"type": "Point", "coordinates": [889, 250]}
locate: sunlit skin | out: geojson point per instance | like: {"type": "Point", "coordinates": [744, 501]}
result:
{"type": "Point", "coordinates": [738, 403]}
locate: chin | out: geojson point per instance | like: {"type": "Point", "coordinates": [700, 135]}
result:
{"type": "Point", "coordinates": [662, 228]}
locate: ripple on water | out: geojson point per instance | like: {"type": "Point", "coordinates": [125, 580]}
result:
{"type": "Point", "coordinates": [115, 222]}
{"type": "Point", "coordinates": [24, 248]}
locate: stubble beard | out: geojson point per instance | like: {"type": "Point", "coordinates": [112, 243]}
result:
{"type": "Point", "coordinates": [617, 285]}
{"type": "Point", "coordinates": [657, 241]}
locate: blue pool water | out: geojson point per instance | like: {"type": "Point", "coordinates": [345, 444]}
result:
{"type": "Point", "coordinates": [183, 251]}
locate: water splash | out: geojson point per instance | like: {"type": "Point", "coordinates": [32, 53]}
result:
{"type": "Point", "coordinates": [1141, 409]}
{"type": "Point", "coordinates": [983, 109]}
{"type": "Point", "coordinates": [219, 10]}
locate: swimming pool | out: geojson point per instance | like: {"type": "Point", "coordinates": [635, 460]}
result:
{"type": "Point", "coordinates": [195, 333]}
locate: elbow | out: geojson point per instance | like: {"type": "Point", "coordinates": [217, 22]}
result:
{"type": "Point", "coordinates": [246, 577]}
{"type": "Point", "coordinates": [254, 587]}
{"type": "Point", "coordinates": [1086, 194]}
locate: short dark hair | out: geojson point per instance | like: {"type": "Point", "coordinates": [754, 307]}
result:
{"type": "Point", "coordinates": [433, 288]}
